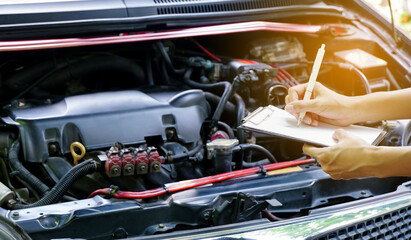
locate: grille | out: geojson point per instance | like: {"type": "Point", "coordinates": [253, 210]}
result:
{"type": "Point", "coordinates": [222, 6]}
{"type": "Point", "coordinates": [394, 225]}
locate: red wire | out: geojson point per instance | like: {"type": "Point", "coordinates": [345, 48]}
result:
{"type": "Point", "coordinates": [287, 80]}
{"type": "Point", "coordinates": [287, 75]}
{"type": "Point", "coordinates": [279, 77]}
{"type": "Point", "coordinates": [184, 185]}
{"type": "Point", "coordinates": [205, 50]}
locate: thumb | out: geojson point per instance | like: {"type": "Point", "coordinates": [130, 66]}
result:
{"type": "Point", "coordinates": [340, 134]}
{"type": "Point", "coordinates": [311, 150]}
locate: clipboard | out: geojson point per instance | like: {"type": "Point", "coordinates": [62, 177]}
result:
{"type": "Point", "coordinates": [278, 122]}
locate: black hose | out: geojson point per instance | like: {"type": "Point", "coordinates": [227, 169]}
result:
{"type": "Point", "coordinates": [188, 154]}
{"type": "Point", "coordinates": [257, 148]}
{"type": "Point", "coordinates": [214, 100]}
{"type": "Point", "coordinates": [228, 90]}
{"type": "Point", "coordinates": [57, 192]}
{"type": "Point", "coordinates": [167, 59]}
{"type": "Point", "coordinates": [240, 115]}
{"type": "Point", "coordinates": [22, 172]}
{"type": "Point", "coordinates": [166, 78]}
{"type": "Point", "coordinates": [40, 80]}
{"type": "Point", "coordinates": [149, 68]}
{"type": "Point", "coordinates": [238, 109]}
{"type": "Point", "coordinates": [227, 129]}
{"type": "Point", "coordinates": [255, 164]}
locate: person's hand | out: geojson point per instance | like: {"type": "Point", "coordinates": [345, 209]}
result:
{"type": "Point", "coordinates": [325, 106]}
{"type": "Point", "coordinates": [349, 158]}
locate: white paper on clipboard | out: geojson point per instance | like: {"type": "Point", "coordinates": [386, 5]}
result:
{"type": "Point", "coordinates": [275, 121]}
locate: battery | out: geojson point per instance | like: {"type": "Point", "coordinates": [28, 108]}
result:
{"type": "Point", "coordinates": [371, 66]}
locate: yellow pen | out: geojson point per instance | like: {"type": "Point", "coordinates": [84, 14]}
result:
{"type": "Point", "coordinates": [313, 78]}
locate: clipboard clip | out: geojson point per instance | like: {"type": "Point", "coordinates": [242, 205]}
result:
{"type": "Point", "coordinates": [258, 116]}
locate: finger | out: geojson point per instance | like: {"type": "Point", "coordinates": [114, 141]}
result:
{"type": "Point", "coordinates": [311, 150]}
{"type": "Point", "coordinates": [289, 108]}
{"type": "Point", "coordinates": [287, 99]}
{"type": "Point", "coordinates": [297, 92]}
{"type": "Point", "coordinates": [307, 119]}
{"type": "Point", "coordinates": [311, 119]}
{"type": "Point", "coordinates": [340, 134]}
{"type": "Point", "coordinates": [292, 95]}
{"type": "Point", "coordinates": [313, 106]}
{"type": "Point", "coordinates": [314, 117]}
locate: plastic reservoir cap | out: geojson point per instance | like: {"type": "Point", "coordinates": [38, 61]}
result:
{"type": "Point", "coordinates": [361, 59]}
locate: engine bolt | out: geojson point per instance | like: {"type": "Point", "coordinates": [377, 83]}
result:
{"type": "Point", "coordinates": [129, 169]}
{"type": "Point", "coordinates": [161, 225]}
{"type": "Point", "coordinates": [142, 167]}
{"type": "Point", "coordinates": [156, 166]}
{"type": "Point", "coordinates": [206, 215]}
{"type": "Point", "coordinates": [169, 134]}
{"type": "Point", "coordinates": [15, 215]}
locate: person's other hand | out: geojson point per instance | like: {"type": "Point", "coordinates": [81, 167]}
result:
{"type": "Point", "coordinates": [325, 106]}
{"type": "Point", "coordinates": [349, 158]}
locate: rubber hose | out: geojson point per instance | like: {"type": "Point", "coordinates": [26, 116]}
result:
{"type": "Point", "coordinates": [224, 98]}
{"type": "Point", "coordinates": [226, 128]}
{"type": "Point", "coordinates": [149, 68]}
{"type": "Point", "coordinates": [255, 164]}
{"type": "Point", "coordinates": [361, 75]}
{"type": "Point", "coordinates": [214, 100]}
{"type": "Point", "coordinates": [190, 153]}
{"type": "Point", "coordinates": [363, 79]}
{"type": "Point", "coordinates": [238, 109]}
{"type": "Point", "coordinates": [22, 172]}
{"type": "Point", "coordinates": [240, 115]}
{"type": "Point", "coordinates": [57, 192]}
{"type": "Point", "coordinates": [257, 148]}
{"type": "Point", "coordinates": [167, 59]}
{"type": "Point", "coordinates": [21, 79]}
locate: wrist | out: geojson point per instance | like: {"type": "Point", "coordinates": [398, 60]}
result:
{"type": "Point", "coordinates": [391, 161]}
{"type": "Point", "coordinates": [376, 162]}
{"type": "Point", "coordinates": [354, 111]}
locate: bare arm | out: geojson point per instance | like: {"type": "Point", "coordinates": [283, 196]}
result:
{"type": "Point", "coordinates": [383, 106]}
{"type": "Point", "coordinates": [354, 158]}
{"type": "Point", "coordinates": [333, 108]}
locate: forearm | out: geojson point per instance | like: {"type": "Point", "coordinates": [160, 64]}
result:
{"type": "Point", "coordinates": [391, 161]}
{"type": "Point", "coordinates": [382, 106]}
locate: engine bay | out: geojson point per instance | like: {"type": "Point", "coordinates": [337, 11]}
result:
{"type": "Point", "coordinates": [146, 135]}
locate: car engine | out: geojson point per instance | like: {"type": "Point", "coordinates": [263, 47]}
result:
{"type": "Point", "coordinates": [146, 136]}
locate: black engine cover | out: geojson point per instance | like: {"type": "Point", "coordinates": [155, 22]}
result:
{"type": "Point", "coordinates": [100, 119]}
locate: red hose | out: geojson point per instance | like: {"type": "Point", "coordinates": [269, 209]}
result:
{"type": "Point", "coordinates": [184, 185]}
